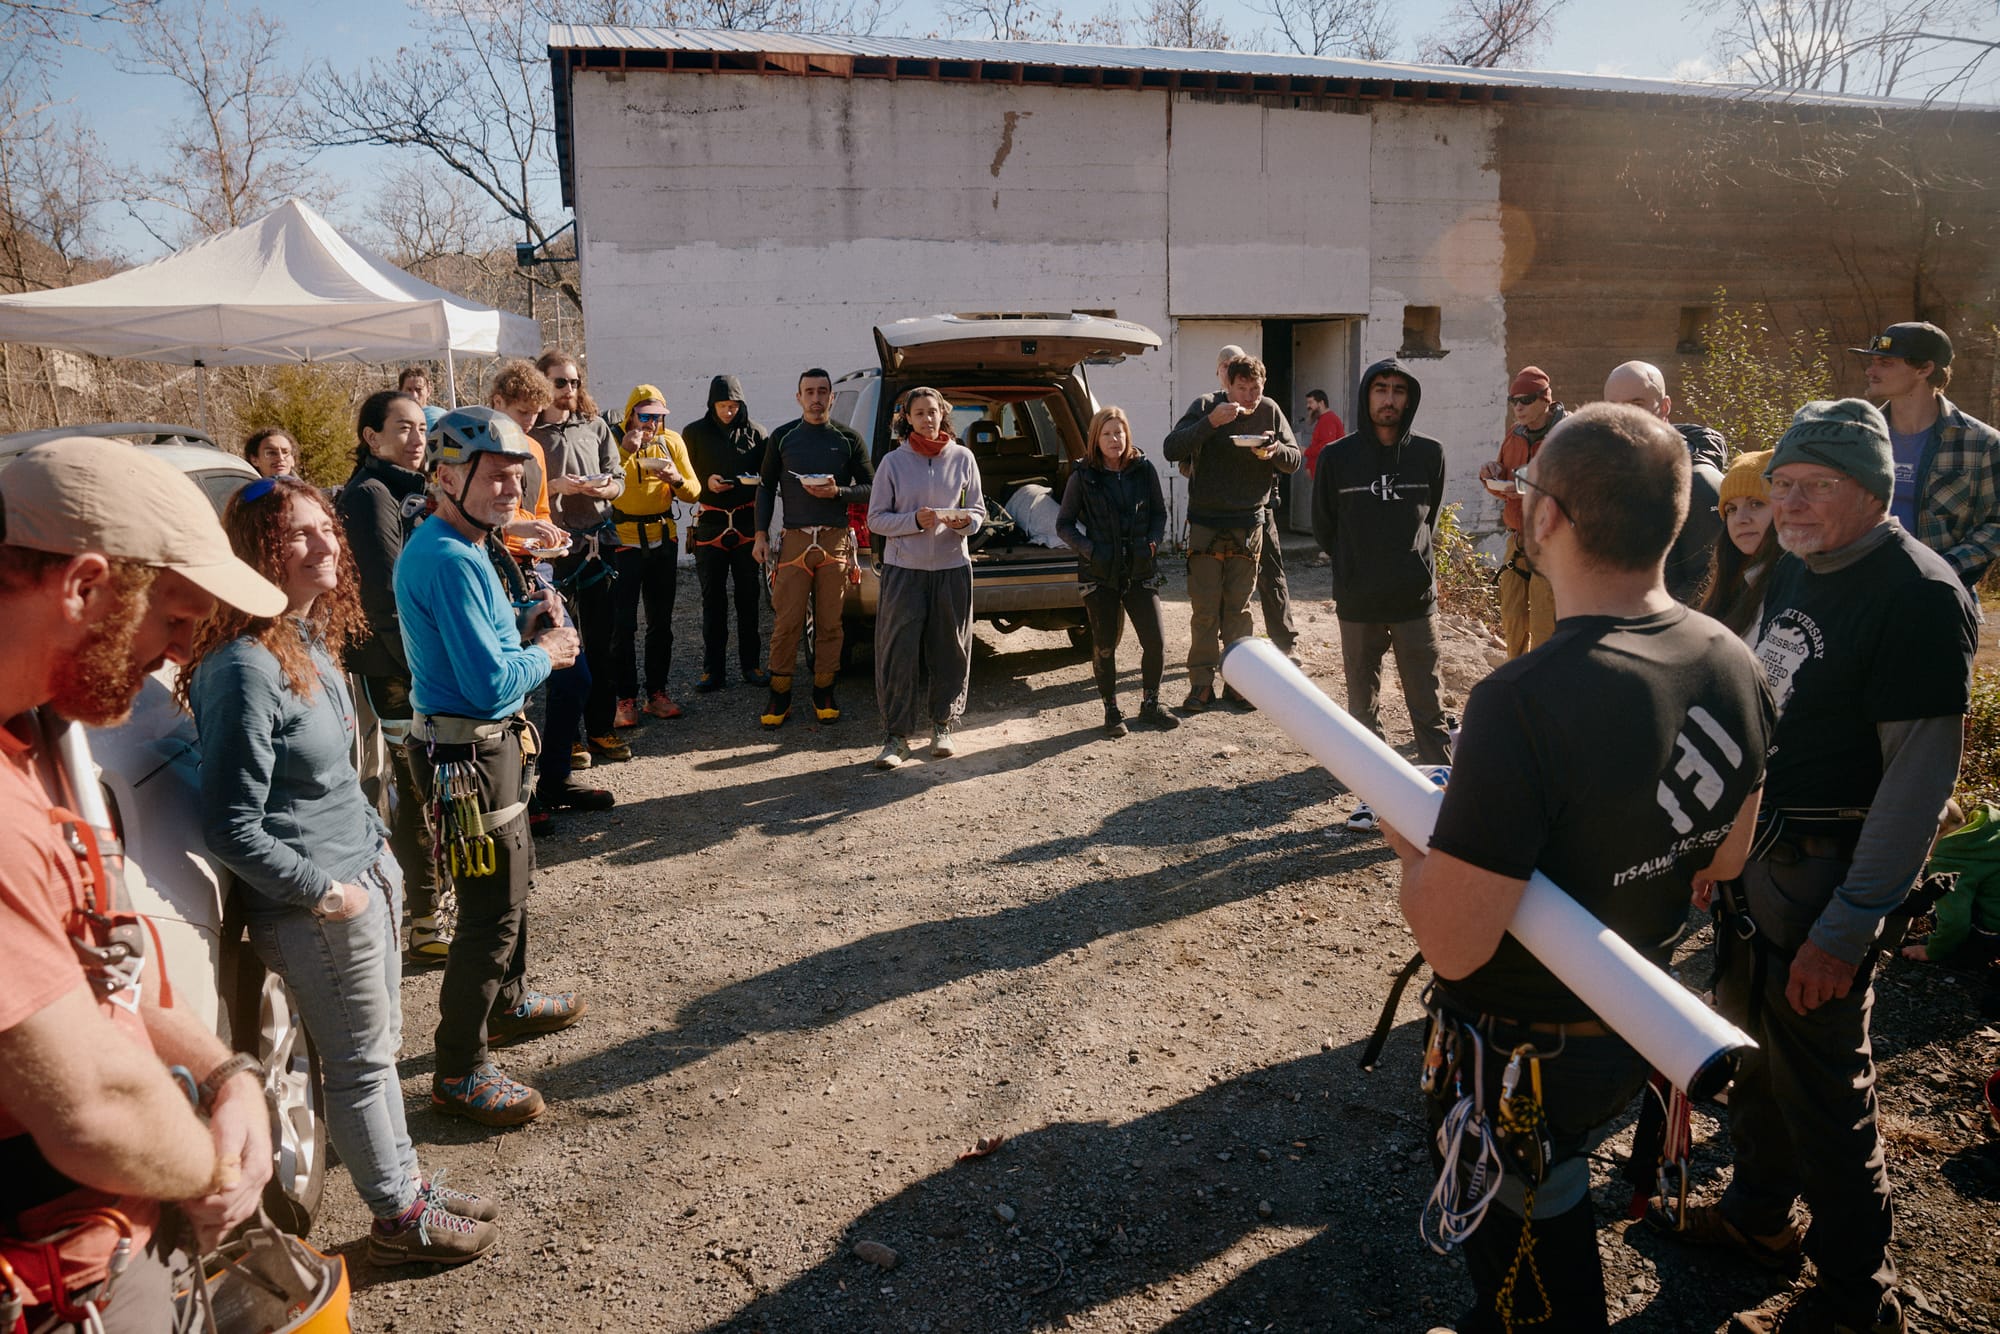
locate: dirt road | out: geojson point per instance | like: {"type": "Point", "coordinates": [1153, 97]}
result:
{"type": "Point", "coordinates": [1149, 963]}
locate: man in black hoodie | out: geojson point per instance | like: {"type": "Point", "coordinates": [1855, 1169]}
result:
{"type": "Point", "coordinates": [1228, 488]}
{"type": "Point", "coordinates": [1376, 500]}
{"type": "Point", "coordinates": [727, 450]}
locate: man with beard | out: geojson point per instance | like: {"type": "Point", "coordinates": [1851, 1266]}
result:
{"type": "Point", "coordinates": [1867, 645]}
{"type": "Point", "coordinates": [1376, 503]}
{"type": "Point", "coordinates": [109, 560]}
{"type": "Point", "coordinates": [1527, 605]}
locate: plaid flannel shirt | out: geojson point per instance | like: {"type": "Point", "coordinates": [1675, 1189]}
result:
{"type": "Point", "coordinates": [1958, 495]}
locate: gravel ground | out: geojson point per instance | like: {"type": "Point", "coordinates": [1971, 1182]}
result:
{"type": "Point", "coordinates": [1149, 963]}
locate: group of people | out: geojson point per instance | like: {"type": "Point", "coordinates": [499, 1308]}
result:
{"type": "Point", "coordinates": [1785, 758]}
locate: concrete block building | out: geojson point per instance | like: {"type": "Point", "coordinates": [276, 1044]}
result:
{"type": "Point", "coordinates": [757, 202]}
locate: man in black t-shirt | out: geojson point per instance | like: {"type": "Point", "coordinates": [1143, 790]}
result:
{"type": "Point", "coordinates": [1622, 757]}
{"type": "Point", "coordinates": [1867, 644]}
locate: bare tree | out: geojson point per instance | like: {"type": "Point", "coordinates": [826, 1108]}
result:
{"type": "Point", "coordinates": [1485, 34]}
{"type": "Point", "coordinates": [239, 151]}
{"type": "Point", "coordinates": [1185, 23]}
{"type": "Point", "coordinates": [1359, 28]}
{"type": "Point", "coordinates": [1853, 46]}
{"type": "Point", "coordinates": [1023, 21]}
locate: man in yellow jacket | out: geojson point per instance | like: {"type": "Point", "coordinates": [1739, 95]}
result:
{"type": "Point", "coordinates": [657, 472]}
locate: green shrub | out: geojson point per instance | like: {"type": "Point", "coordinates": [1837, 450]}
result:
{"type": "Point", "coordinates": [1979, 772]}
{"type": "Point", "coordinates": [1755, 376]}
{"type": "Point", "coordinates": [313, 405]}
{"type": "Point", "coordinates": [1465, 582]}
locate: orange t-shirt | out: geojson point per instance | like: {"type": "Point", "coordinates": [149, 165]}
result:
{"type": "Point", "coordinates": [535, 486]}
{"type": "Point", "coordinates": [41, 884]}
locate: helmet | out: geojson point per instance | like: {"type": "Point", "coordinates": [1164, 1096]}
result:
{"type": "Point", "coordinates": [464, 433]}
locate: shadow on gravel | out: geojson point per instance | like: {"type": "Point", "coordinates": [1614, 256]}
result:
{"type": "Point", "coordinates": [827, 987]}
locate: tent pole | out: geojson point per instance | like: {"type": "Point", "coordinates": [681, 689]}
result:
{"type": "Point", "coordinates": [201, 391]}
{"type": "Point", "coordinates": [450, 380]}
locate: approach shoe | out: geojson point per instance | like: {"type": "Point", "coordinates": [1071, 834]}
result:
{"type": "Point", "coordinates": [1200, 700]}
{"type": "Point", "coordinates": [627, 713]}
{"type": "Point", "coordinates": [1234, 698]}
{"type": "Point", "coordinates": [708, 683]}
{"type": "Point", "coordinates": [777, 708]}
{"type": "Point", "coordinates": [461, 1202]}
{"type": "Point", "coordinates": [825, 708]}
{"type": "Point", "coordinates": [1707, 1225]}
{"type": "Point", "coordinates": [660, 705]}
{"type": "Point", "coordinates": [1152, 715]}
{"type": "Point", "coordinates": [429, 1233]}
{"type": "Point", "coordinates": [579, 756]}
{"type": "Point", "coordinates": [894, 751]}
{"type": "Point", "coordinates": [756, 676]}
{"type": "Point", "coordinates": [943, 744]}
{"type": "Point", "coordinates": [1114, 722]}
{"type": "Point", "coordinates": [429, 944]}
{"type": "Point", "coordinates": [538, 1012]}
{"type": "Point", "coordinates": [1810, 1309]}
{"type": "Point", "coordinates": [1363, 820]}
{"type": "Point", "coordinates": [570, 797]}
{"type": "Point", "coordinates": [486, 1096]}
{"type": "Point", "coordinates": [609, 749]}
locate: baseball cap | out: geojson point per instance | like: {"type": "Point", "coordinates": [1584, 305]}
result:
{"type": "Point", "coordinates": [78, 494]}
{"type": "Point", "coordinates": [1912, 341]}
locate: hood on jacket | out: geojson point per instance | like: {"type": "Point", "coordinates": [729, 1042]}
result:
{"type": "Point", "coordinates": [1363, 423]}
{"type": "Point", "coordinates": [643, 394]}
{"type": "Point", "coordinates": [727, 388]}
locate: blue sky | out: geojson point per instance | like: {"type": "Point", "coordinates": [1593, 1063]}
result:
{"type": "Point", "coordinates": [131, 114]}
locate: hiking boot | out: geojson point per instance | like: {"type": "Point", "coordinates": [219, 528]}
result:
{"type": "Point", "coordinates": [894, 751]}
{"type": "Point", "coordinates": [1811, 1310]}
{"type": "Point", "coordinates": [661, 706]}
{"type": "Point", "coordinates": [570, 797]}
{"type": "Point", "coordinates": [486, 1096]}
{"type": "Point", "coordinates": [824, 706]}
{"type": "Point", "coordinates": [1707, 1225]}
{"type": "Point", "coordinates": [429, 944]}
{"type": "Point", "coordinates": [1114, 722]}
{"type": "Point", "coordinates": [1152, 715]}
{"type": "Point", "coordinates": [463, 1203]}
{"type": "Point", "coordinates": [779, 706]}
{"type": "Point", "coordinates": [610, 749]}
{"type": "Point", "coordinates": [429, 1233]}
{"type": "Point", "coordinates": [579, 756]}
{"type": "Point", "coordinates": [1200, 699]}
{"type": "Point", "coordinates": [943, 746]}
{"type": "Point", "coordinates": [538, 1012]}
{"type": "Point", "coordinates": [708, 683]}
{"type": "Point", "coordinates": [627, 713]}
{"type": "Point", "coordinates": [1232, 697]}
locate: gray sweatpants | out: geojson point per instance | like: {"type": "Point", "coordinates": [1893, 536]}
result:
{"type": "Point", "coordinates": [923, 647]}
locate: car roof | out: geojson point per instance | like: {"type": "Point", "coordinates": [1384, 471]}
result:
{"type": "Point", "coordinates": [145, 433]}
{"type": "Point", "coordinates": [1049, 342]}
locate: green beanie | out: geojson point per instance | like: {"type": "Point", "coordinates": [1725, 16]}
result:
{"type": "Point", "coordinates": [1847, 434]}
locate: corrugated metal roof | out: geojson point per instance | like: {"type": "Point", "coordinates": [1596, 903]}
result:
{"type": "Point", "coordinates": [1068, 55]}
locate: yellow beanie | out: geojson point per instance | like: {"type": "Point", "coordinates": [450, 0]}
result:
{"type": "Point", "coordinates": [1745, 478]}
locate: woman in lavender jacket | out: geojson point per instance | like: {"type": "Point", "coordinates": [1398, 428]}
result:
{"type": "Point", "coordinates": [926, 501]}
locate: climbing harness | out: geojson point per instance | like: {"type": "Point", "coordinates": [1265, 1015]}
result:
{"type": "Point", "coordinates": [826, 557]}
{"type": "Point", "coordinates": [31, 1273]}
{"type": "Point", "coordinates": [732, 536]}
{"type": "Point", "coordinates": [462, 842]}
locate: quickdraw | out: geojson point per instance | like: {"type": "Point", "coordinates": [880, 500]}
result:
{"type": "Point", "coordinates": [1665, 1122]}
{"type": "Point", "coordinates": [462, 844]}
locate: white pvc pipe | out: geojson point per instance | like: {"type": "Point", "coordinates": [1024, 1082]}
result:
{"type": "Point", "coordinates": [1665, 1022]}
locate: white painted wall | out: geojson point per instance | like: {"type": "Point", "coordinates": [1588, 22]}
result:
{"type": "Point", "coordinates": [762, 225]}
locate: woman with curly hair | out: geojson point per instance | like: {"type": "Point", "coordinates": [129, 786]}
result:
{"type": "Point", "coordinates": [285, 812]}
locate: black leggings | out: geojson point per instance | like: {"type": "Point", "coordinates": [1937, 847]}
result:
{"type": "Point", "coordinates": [651, 575]}
{"type": "Point", "coordinates": [1107, 609]}
{"type": "Point", "coordinates": [717, 570]}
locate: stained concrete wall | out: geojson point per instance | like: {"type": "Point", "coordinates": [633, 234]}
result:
{"type": "Point", "coordinates": [759, 225]}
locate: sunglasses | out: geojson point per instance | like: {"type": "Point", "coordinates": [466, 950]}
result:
{"type": "Point", "coordinates": [649, 418]}
{"type": "Point", "coordinates": [1522, 400]}
{"type": "Point", "coordinates": [562, 383]}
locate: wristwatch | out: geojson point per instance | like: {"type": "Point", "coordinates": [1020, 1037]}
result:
{"type": "Point", "coordinates": [332, 901]}
{"type": "Point", "coordinates": [222, 1074]}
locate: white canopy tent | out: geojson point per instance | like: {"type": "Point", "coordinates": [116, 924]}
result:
{"type": "Point", "coordinates": [286, 287]}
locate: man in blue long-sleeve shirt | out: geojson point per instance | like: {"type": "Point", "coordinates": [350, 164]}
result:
{"type": "Point", "coordinates": [470, 671]}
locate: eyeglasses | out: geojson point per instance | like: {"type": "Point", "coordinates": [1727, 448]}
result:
{"type": "Point", "coordinates": [649, 418]}
{"type": "Point", "coordinates": [1522, 485]}
{"type": "Point", "coordinates": [1522, 400]}
{"type": "Point", "coordinates": [1813, 489]}
{"type": "Point", "coordinates": [561, 382]}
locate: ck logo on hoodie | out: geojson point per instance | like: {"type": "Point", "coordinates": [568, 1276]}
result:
{"type": "Point", "coordinates": [1390, 486]}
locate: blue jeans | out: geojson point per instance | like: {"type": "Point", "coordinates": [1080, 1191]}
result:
{"type": "Point", "coordinates": [347, 977]}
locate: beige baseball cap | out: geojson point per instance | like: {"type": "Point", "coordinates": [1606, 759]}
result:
{"type": "Point", "coordinates": [77, 494]}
